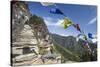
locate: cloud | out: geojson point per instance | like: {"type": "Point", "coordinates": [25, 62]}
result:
{"type": "Point", "coordinates": [62, 34]}
{"type": "Point", "coordinates": [59, 22]}
{"type": "Point", "coordinates": [94, 40]}
{"type": "Point", "coordinates": [52, 22]}
{"type": "Point", "coordinates": [92, 21]}
{"type": "Point", "coordinates": [55, 27]}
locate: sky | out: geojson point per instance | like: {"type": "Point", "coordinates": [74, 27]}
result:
{"type": "Point", "coordinates": [84, 15]}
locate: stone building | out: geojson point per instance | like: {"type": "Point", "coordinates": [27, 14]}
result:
{"type": "Point", "coordinates": [30, 42]}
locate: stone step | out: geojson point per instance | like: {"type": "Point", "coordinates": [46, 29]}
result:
{"type": "Point", "coordinates": [25, 57]}
{"type": "Point", "coordinates": [24, 43]}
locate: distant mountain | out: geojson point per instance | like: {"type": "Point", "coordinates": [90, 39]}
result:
{"type": "Point", "coordinates": [76, 48]}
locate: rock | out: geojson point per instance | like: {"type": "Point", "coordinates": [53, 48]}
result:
{"type": "Point", "coordinates": [19, 17]}
{"type": "Point", "coordinates": [25, 57]}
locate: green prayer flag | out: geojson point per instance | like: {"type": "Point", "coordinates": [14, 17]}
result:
{"type": "Point", "coordinates": [66, 23]}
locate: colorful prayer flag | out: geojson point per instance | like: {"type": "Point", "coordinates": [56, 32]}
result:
{"type": "Point", "coordinates": [77, 27]}
{"type": "Point", "coordinates": [55, 11]}
{"type": "Point", "coordinates": [90, 35]}
{"type": "Point", "coordinates": [66, 23]}
{"type": "Point", "coordinates": [84, 37]}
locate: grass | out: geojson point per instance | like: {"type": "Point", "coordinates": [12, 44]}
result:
{"type": "Point", "coordinates": [66, 54]}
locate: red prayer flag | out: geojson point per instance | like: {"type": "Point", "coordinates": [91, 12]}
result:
{"type": "Point", "coordinates": [77, 27]}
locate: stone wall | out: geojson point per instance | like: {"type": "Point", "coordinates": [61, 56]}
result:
{"type": "Point", "coordinates": [20, 15]}
{"type": "Point", "coordinates": [31, 41]}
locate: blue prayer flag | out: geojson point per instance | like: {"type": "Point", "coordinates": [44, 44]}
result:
{"type": "Point", "coordinates": [55, 11]}
{"type": "Point", "coordinates": [90, 35]}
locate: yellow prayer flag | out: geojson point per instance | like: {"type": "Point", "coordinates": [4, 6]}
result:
{"type": "Point", "coordinates": [66, 23]}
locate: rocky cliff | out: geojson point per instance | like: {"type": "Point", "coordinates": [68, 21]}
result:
{"type": "Point", "coordinates": [31, 42]}
{"type": "Point", "coordinates": [19, 16]}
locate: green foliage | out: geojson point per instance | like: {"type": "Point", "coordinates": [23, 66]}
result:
{"type": "Point", "coordinates": [66, 53]}
{"type": "Point", "coordinates": [43, 51]}
{"type": "Point", "coordinates": [35, 20]}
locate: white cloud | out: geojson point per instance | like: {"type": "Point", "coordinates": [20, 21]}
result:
{"type": "Point", "coordinates": [59, 22]}
{"type": "Point", "coordinates": [53, 22]}
{"type": "Point", "coordinates": [92, 21]}
{"type": "Point", "coordinates": [62, 34]}
{"type": "Point", "coordinates": [94, 40]}
{"type": "Point", "coordinates": [95, 36]}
